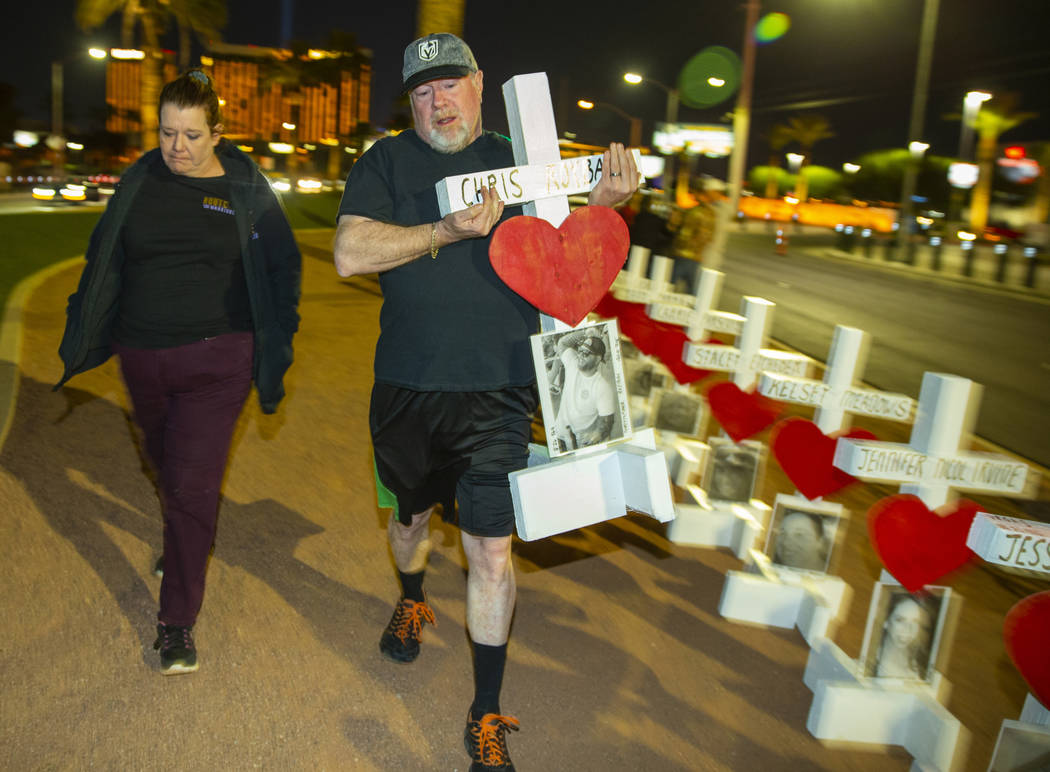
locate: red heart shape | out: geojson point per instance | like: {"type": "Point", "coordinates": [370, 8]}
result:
{"type": "Point", "coordinates": [562, 271]}
{"type": "Point", "coordinates": [1027, 637]}
{"type": "Point", "coordinates": [740, 413]}
{"type": "Point", "coordinates": [656, 339]}
{"type": "Point", "coordinates": [916, 545]}
{"type": "Point", "coordinates": [805, 453]}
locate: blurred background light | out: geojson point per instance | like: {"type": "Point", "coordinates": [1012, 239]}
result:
{"type": "Point", "coordinates": [771, 27]}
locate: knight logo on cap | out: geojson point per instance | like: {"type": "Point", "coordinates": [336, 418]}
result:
{"type": "Point", "coordinates": [428, 49]}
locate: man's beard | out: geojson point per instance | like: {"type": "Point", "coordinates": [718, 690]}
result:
{"type": "Point", "coordinates": [446, 141]}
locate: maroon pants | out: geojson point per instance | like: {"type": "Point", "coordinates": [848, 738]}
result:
{"type": "Point", "coordinates": [186, 401]}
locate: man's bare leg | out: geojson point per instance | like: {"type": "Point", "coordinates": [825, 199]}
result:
{"type": "Point", "coordinates": [491, 591]}
{"type": "Point", "coordinates": [491, 588]}
{"type": "Point", "coordinates": [410, 545]}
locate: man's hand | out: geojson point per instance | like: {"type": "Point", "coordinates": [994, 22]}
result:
{"type": "Point", "coordinates": [619, 177]}
{"type": "Point", "coordinates": [471, 223]}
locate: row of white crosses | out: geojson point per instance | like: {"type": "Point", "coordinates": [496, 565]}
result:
{"type": "Point", "coordinates": [552, 497]}
{"type": "Point", "coordinates": [931, 466]}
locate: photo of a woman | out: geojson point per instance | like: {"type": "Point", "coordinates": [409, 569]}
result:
{"type": "Point", "coordinates": [903, 632]}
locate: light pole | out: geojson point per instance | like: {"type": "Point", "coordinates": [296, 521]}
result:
{"type": "Point", "coordinates": [918, 113]}
{"type": "Point", "coordinates": [57, 141]}
{"type": "Point", "coordinates": [636, 123]}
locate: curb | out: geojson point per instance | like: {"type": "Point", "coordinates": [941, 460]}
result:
{"type": "Point", "coordinates": [11, 339]}
{"type": "Point", "coordinates": [925, 273]}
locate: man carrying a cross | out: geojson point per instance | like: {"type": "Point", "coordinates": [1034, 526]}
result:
{"type": "Point", "coordinates": [454, 384]}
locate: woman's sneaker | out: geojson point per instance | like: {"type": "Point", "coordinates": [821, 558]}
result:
{"type": "Point", "coordinates": [177, 652]}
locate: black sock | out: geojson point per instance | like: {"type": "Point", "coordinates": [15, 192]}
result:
{"type": "Point", "coordinates": [412, 586]}
{"type": "Point", "coordinates": [488, 678]}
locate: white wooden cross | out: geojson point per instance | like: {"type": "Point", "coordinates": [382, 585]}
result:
{"type": "Point", "coordinates": [552, 497]}
{"type": "Point", "coordinates": [697, 312]}
{"type": "Point", "coordinates": [931, 465]}
{"type": "Point", "coordinates": [836, 396]}
{"type": "Point", "coordinates": [747, 358]}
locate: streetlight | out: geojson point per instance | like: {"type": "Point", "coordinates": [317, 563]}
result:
{"type": "Point", "coordinates": [57, 142]}
{"type": "Point", "coordinates": [850, 168]}
{"type": "Point", "coordinates": [971, 106]}
{"type": "Point", "coordinates": [671, 109]}
{"type": "Point", "coordinates": [636, 123]}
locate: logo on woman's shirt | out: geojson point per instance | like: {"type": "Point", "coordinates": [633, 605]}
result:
{"type": "Point", "coordinates": [218, 205]}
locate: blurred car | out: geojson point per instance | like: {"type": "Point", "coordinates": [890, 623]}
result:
{"type": "Point", "coordinates": [997, 232]}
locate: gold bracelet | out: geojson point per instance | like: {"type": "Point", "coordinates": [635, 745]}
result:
{"type": "Point", "coordinates": [433, 241]}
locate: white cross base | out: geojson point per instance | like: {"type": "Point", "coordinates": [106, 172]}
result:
{"type": "Point", "coordinates": [575, 491]}
{"type": "Point", "coordinates": [847, 707]}
{"type": "Point", "coordinates": [552, 497]}
{"type": "Point", "coordinates": [931, 465]}
{"type": "Point", "coordinates": [700, 522]}
{"type": "Point", "coordinates": [811, 602]}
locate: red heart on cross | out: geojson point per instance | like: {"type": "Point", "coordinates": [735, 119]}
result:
{"type": "Point", "coordinates": [740, 413]}
{"type": "Point", "coordinates": [563, 271]}
{"type": "Point", "coordinates": [1027, 637]}
{"type": "Point", "coordinates": [805, 454]}
{"type": "Point", "coordinates": [656, 339]}
{"type": "Point", "coordinates": [919, 546]}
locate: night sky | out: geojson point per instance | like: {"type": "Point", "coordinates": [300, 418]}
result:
{"type": "Point", "coordinates": [857, 55]}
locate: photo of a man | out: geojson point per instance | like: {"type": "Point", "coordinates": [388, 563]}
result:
{"type": "Point", "coordinates": [732, 470]}
{"type": "Point", "coordinates": [582, 387]}
{"type": "Point", "coordinates": [802, 534]}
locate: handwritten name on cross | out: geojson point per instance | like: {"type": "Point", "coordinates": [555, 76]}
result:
{"type": "Point", "coordinates": [540, 173]}
{"type": "Point", "coordinates": [931, 465]}
{"type": "Point", "coordinates": [697, 312]}
{"type": "Point", "coordinates": [836, 397]}
{"type": "Point", "coordinates": [747, 359]}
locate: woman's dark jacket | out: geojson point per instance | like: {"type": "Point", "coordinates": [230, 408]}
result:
{"type": "Point", "coordinates": [272, 268]}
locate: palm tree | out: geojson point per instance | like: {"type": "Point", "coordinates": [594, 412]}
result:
{"type": "Point", "coordinates": [997, 116]}
{"type": "Point", "coordinates": [807, 130]}
{"type": "Point", "coordinates": [202, 16]}
{"type": "Point", "coordinates": [439, 16]}
{"type": "Point", "coordinates": [779, 135]}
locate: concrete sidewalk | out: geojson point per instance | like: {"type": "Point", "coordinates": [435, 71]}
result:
{"type": "Point", "coordinates": [619, 659]}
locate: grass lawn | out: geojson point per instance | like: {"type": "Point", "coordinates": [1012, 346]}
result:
{"type": "Point", "coordinates": [35, 240]}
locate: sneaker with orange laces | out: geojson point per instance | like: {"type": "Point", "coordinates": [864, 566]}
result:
{"type": "Point", "coordinates": [486, 742]}
{"type": "Point", "coordinates": [400, 640]}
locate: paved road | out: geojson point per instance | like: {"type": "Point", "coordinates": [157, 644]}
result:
{"type": "Point", "coordinates": [917, 323]}
{"type": "Point", "coordinates": [619, 658]}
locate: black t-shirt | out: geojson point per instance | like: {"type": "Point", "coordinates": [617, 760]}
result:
{"type": "Point", "coordinates": [183, 276]}
{"type": "Point", "coordinates": [448, 324]}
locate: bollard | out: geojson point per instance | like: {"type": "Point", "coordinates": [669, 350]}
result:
{"type": "Point", "coordinates": [1000, 271]}
{"type": "Point", "coordinates": [849, 238]}
{"type": "Point", "coordinates": [866, 236]}
{"type": "Point", "coordinates": [968, 253]}
{"type": "Point", "coordinates": [935, 247]}
{"type": "Point", "coordinates": [1033, 262]}
{"type": "Point", "coordinates": [840, 240]}
{"type": "Point", "coordinates": [781, 242]}
{"type": "Point", "coordinates": [909, 253]}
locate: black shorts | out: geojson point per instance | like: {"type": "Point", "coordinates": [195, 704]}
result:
{"type": "Point", "coordinates": [440, 447]}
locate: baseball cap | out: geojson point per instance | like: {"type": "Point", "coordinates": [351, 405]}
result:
{"type": "Point", "coordinates": [440, 55]}
{"type": "Point", "coordinates": [592, 345]}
